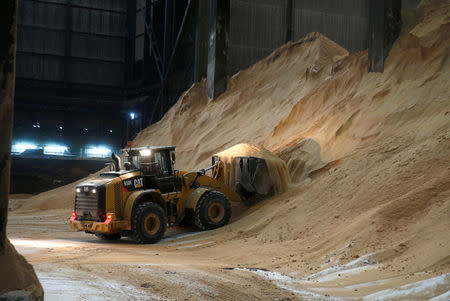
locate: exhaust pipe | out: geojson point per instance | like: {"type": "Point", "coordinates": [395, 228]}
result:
{"type": "Point", "coordinates": [116, 161]}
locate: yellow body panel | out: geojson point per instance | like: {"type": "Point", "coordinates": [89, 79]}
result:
{"type": "Point", "coordinates": [129, 203]}
{"type": "Point", "coordinates": [214, 184]}
{"type": "Point", "coordinates": [194, 196]}
{"type": "Point", "coordinates": [111, 227]}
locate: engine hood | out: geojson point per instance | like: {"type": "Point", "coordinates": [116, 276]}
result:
{"type": "Point", "coordinates": [96, 182]}
{"type": "Point", "coordinates": [107, 177]}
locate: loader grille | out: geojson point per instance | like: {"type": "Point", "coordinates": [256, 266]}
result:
{"type": "Point", "coordinates": [117, 200]}
{"type": "Point", "coordinates": [91, 206]}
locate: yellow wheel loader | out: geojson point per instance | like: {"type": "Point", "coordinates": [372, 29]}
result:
{"type": "Point", "coordinates": [145, 195]}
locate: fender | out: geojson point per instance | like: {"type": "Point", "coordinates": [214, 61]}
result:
{"type": "Point", "coordinates": [139, 196]}
{"type": "Point", "coordinates": [194, 196]}
{"type": "Point", "coordinates": [211, 184]}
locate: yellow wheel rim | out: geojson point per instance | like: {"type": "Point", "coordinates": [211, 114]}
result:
{"type": "Point", "coordinates": [152, 224]}
{"type": "Point", "coordinates": [216, 212]}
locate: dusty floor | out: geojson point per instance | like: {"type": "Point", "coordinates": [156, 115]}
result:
{"type": "Point", "coordinates": [189, 265]}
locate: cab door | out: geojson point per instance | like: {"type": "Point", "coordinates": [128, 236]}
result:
{"type": "Point", "coordinates": [165, 177]}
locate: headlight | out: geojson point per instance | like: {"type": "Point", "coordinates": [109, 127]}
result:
{"type": "Point", "coordinates": [94, 190]}
{"type": "Point", "coordinates": [145, 152]}
{"type": "Point", "coordinates": [78, 190]}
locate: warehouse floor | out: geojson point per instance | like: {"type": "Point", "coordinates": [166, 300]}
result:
{"type": "Point", "coordinates": [189, 265]}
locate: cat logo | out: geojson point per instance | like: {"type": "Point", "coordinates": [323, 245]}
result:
{"type": "Point", "coordinates": [133, 183]}
{"type": "Point", "coordinates": [138, 183]}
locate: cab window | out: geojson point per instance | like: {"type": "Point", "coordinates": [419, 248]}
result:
{"type": "Point", "coordinates": [163, 160]}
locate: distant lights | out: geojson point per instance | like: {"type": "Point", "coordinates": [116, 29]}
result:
{"type": "Point", "coordinates": [98, 151]}
{"type": "Point", "coordinates": [60, 127]}
{"type": "Point", "coordinates": [36, 125]}
{"type": "Point", "coordinates": [132, 115]}
{"type": "Point", "coordinates": [110, 131]}
{"type": "Point", "coordinates": [86, 129]}
{"type": "Point", "coordinates": [55, 149]}
{"type": "Point", "coordinates": [22, 146]}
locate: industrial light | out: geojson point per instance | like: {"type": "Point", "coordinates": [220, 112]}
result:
{"type": "Point", "coordinates": [55, 149]}
{"type": "Point", "coordinates": [78, 190]}
{"type": "Point", "coordinates": [94, 190]}
{"type": "Point", "coordinates": [98, 151]}
{"type": "Point", "coordinates": [132, 115]}
{"type": "Point", "coordinates": [20, 147]}
{"type": "Point", "coordinates": [145, 152]}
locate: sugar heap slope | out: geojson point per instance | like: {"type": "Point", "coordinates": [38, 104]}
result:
{"type": "Point", "coordinates": [256, 101]}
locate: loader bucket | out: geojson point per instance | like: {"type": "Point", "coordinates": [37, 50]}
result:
{"type": "Point", "coordinates": [251, 171]}
{"type": "Point", "coordinates": [252, 177]}
{"type": "Point", "coordinates": [248, 176]}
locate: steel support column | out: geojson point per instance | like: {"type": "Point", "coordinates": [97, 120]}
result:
{"type": "Point", "coordinates": [68, 44]}
{"type": "Point", "coordinates": [289, 10]}
{"type": "Point", "coordinates": [197, 40]}
{"type": "Point", "coordinates": [168, 30]}
{"type": "Point", "coordinates": [169, 51]}
{"type": "Point", "coordinates": [219, 18]}
{"type": "Point", "coordinates": [384, 28]}
{"type": "Point", "coordinates": [131, 31]}
{"type": "Point", "coordinates": [147, 36]}
{"type": "Point", "coordinates": [8, 34]}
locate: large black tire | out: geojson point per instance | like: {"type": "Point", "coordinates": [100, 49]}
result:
{"type": "Point", "coordinates": [213, 211]}
{"type": "Point", "coordinates": [148, 223]}
{"type": "Point", "coordinates": [103, 236]}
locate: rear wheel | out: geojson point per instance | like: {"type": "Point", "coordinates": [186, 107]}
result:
{"type": "Point", "coordinates": [148, 223]}
{"type": "Point", "coordinates": [213, 211]}
{"type": "Point", "coordinates": [103, 236]}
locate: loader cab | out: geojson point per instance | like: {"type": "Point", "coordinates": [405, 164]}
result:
{"type": "Point", "coordinates": [156, 164]}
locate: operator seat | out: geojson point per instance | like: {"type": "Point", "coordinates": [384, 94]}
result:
{"type": "Point", "coordinates": [150, 173]}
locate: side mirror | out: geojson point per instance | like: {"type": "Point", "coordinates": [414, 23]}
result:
{"type": "Point", "coordinates": [172, 157]}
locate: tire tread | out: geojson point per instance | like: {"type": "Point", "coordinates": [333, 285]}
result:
{"type": "Point", "coordinates": [211, 196]}
{"type": "Point", "coordinates": [135, 223]}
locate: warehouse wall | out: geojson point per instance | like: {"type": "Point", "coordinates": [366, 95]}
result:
{"type": "Point", "coordinates": [410, 4]}
{"type": "Point", "coordinates": [258, 27]}
{"type": "Point", "coordinates": [344, 21]}
{"type": "Point", "coordinates": [75, 41]}
{"type": "Point", "coordinates": [72, 60]}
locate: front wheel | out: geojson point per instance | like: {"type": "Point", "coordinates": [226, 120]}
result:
{"type": "Point", "coordinates": [213, 211]}
{"type": "Point", "coordinates": [148, 223]}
